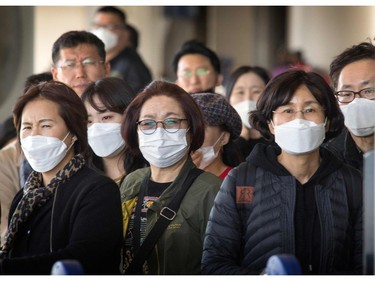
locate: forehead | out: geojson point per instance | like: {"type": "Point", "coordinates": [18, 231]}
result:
{"type": "Point", "coordinates": [194, 61]}
{"type": "Point", "coordinates": [161, 107]}
{"type": "Point", "coordinates": [96, 101]}
{"type": "Point", "coordinates": [301, 96]}
{"type": "Point", "coordinates": [79, 52]}
{"type": "Point", "coordinates": [107, 18]}
{"type": "Point", "coordinates": [40, 108]}
{"type": "Point", "coordinates": [357, 73]}
{"type": "Point", "coordinates": [249, 79]}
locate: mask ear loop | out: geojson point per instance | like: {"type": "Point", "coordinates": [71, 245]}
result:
{"type": "Point", "coordinates": [74, 138]}
{"type": "Point", "coordinates": [216, 142]}
{"type": "Point", "coordinates": [66, 136]}
{"type": "Point", "coordinates": [273, 124]}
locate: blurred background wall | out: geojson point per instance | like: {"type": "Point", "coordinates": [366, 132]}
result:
{"type": "Point", "coordinates": [253, 35]}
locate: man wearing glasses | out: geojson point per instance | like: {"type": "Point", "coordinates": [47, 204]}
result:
{"type": "Point", "coordinates": [78, 58]}
{"type": "Point", "coordinates": [197, 68]}
{"type": "Point", "coordinates": [353, 79]}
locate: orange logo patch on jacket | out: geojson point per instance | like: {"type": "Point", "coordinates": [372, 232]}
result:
{"type": "Point", "coordinates": [244, 194]}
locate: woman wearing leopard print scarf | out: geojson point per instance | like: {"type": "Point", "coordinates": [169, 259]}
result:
{"type": "Point", "coordinates": [65, 210]}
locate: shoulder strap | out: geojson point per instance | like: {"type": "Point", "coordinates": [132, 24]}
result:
{"type": "Point", "coordinates": [167, 214]}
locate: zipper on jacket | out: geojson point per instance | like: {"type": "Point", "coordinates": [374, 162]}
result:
{"type": "Point", "coordinates": [157, 259]}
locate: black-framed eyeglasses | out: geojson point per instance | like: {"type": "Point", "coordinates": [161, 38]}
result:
{"type": "Point", "coordinates": [348, 96]}
{"type": "Point", "coordinates": [171, 125]}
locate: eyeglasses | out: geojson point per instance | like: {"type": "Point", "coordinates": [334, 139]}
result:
{"type": "Point", "coordinates": [308, 112]}
{"type": "Point", "coordinates": [348, 96]}
{"type": "Point", "coordinates": [171, 125]}
{"type": "Point", "coordinates": [87, 64]}
{"type": "Point", "coordinates": [200, 72]}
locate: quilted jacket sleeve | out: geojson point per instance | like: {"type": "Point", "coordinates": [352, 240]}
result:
{"type": "Point", "coordinates": [222, 249]}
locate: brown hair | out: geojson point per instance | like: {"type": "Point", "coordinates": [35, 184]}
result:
{"type": "Point", "coordinates": [70, 108]}
{"type": "Point", "coordinates": [161, 88]}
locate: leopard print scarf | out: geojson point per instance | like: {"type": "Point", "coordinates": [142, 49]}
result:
{"type": "Point", "coordinates": [35, 195]}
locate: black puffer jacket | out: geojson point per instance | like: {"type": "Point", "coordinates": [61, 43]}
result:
{"type": "Point", "coordinates": [240, 237]}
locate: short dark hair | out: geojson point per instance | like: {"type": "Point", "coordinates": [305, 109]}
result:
{"type": "Point", "coordinates": [196, 47]}
{"type": "Point", "coordinates": [36, 79]}
{"type": "Point", "coordinates": [162, 88]}
{"type": "Point", "coordinates": [280, 90]}
{"type": "Point", "coordinates": [71, 109]}
{"type": "Point", "coordinates": [72, 39]}
{"type": "Point", "coordinates": [113, 10]}
{"type": "Point", "coordinates": [362, 51]}
{"type": "Point", "coordinates": [237, 73]}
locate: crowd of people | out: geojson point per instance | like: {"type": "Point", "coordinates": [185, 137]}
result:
{"type": "Point", "coordinates": [128, 175]}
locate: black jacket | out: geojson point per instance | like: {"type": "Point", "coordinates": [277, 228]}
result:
{"type": "Point", "coordinates": [129, 66]}
{"type": "Point", "coordinates": [345, 148]}
{"type": "Point", "coordinates": [251, 222]}
{"type": "Point", "coordinates": [86, 226]}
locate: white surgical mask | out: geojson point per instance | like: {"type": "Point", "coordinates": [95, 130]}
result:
{"type": "Point", "coordinates": [44, 153]}
{"type": "Point", "coordinates": [163, 149]}
{"type": "Point", "coordinates": [299, 136]}
{"type": "Point", "coordinates": [209, 154]}
{"type": "Point", "coordinates": [243, 108]}
{"type": "Point", "coordinates": [360, 116]}
{"type": "Point", "coordinates": [105, 138]}
{"type": "Point", "coordinates": [108, 37]}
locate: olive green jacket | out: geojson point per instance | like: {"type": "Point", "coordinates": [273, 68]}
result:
{"type": "Point", "coordinates": [179, 250]}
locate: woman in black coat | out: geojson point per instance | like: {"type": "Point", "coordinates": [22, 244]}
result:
{"type": "Point", "coordinates": [65, 210]}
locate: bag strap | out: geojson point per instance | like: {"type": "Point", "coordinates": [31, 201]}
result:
{"type": "Point", "coordinates": [167, 214]}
